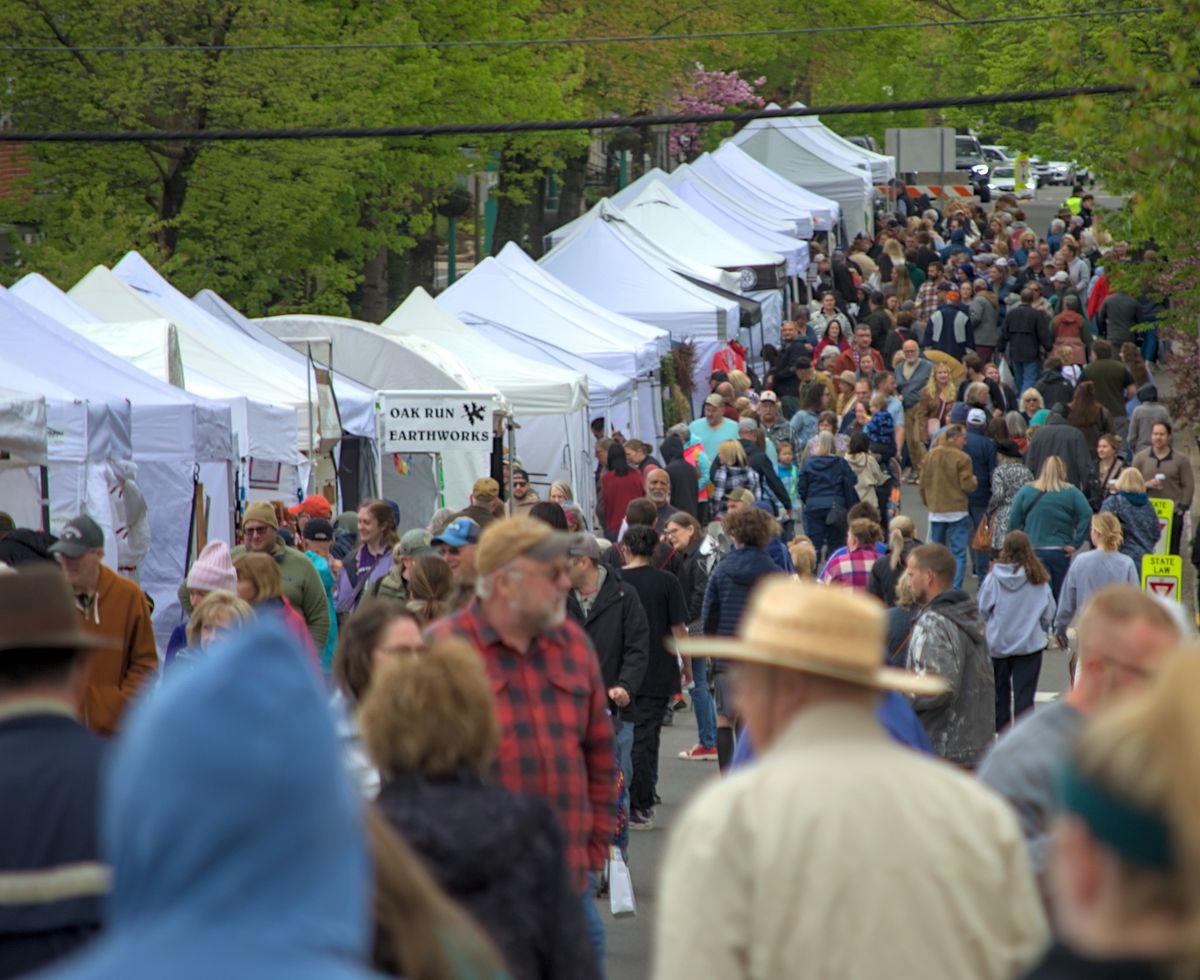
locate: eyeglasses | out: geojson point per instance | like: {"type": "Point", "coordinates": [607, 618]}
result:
{"type": "Point", "coordinates": [1030, 401]}
{"type": "Point", "coordinates": [254, 532]}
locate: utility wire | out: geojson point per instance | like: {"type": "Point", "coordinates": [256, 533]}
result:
{"type": "Point", "coordinates": [551, 125]}
{"type": "Point", "coordinates": [542, 42]}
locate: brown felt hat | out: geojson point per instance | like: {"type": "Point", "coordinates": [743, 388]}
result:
{"type": "Point", "coordinates": [38, 613]}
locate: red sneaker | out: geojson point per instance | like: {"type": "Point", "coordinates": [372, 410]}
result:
{"type": "Point", "coordinates": [699, 753]}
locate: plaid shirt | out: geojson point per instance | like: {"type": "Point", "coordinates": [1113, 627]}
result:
{"type": "Point", "coordinates": [555, 733]}
{"type": "Point", "coordinates": [853, 568]}
{"type": "Point", "coordinates": [728, 478]}
{"type": "Point", "coordinates": [927, 300]}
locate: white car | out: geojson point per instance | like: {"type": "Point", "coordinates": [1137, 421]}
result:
{"type": "Point", "coordinates": [1060, 172]}
{"type": "Point", "coordinates": [1004, 177]}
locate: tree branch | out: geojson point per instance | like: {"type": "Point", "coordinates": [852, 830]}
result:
{"type": "Point", "coordinates": [61, 36]}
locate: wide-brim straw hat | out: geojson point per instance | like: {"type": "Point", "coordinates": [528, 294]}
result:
{"type": "Point", "coordinates": [825, 630]}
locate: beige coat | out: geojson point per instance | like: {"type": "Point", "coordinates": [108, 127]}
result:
{"type": "Point", "coordinates": [841, 855]}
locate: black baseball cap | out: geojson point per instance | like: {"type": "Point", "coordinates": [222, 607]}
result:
{"type": "Point", "coordinates": [80, 536]}
{"type": "Point", "coordinates": [318, 529]}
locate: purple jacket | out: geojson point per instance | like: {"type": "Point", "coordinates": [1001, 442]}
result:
{"type": "Point", "coordinates": [347, 595]}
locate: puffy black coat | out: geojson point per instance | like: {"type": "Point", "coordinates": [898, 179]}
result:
{"type": "Point", "coordinates": [729, 587]}
{"type": "Point", "coordinates": [616, 625]}
{"type": "Point", "coordinates": [501, 856]}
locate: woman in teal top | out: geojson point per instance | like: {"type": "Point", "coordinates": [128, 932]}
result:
{"type": "Point", "coordinates": [1055, 515]}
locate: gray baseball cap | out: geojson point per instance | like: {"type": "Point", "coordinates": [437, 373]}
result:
{"type": "Point", "coordinates": [80, 536]}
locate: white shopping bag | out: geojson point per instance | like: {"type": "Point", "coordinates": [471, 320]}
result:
{"type": "Point", "coordinates": [620, 885]}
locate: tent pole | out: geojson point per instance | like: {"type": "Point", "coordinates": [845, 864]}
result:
{"type": "Point", "coordinates": [308, 380]}
{"type": "Point", "coordinates": [510, 425]}
{"type": "Point", "coordinates": [44, 472]}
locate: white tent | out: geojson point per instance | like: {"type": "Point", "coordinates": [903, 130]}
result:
{"type": "Point", "coordinates": [881, 166]}
{"type": "Point", "coordinates": [738, 173]}
{"type": "Point", "coordinates": [798, 154]}
{"type": "Point", "coordinates": [607, 262]}
{"type": "Point", "coordinates": [550, 404]}
{"type": "Point", "coordinates": [23, 453]}
{"type": "Point", "coordinates": [175, 438]}
{"type": "Point", "coordinates": [269, 413]}
{"type": "Point", "coordinates": [40, 293]}
{"type": "Point", "coordinates": [526, 318]}
{"type": "Point", "coordinates": [724, 212]}
{"type": "Point", "coordinates": [389, 362]}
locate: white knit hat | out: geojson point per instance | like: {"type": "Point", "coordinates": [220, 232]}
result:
{"type": "Point", "coordinates": [213, 570]}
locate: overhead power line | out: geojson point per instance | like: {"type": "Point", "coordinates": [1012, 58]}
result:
{"type": "Point", "coordinates": [551, 125]}
{"type": "Point", "coordinates": [543, 42]}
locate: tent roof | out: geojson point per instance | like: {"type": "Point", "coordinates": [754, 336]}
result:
{"type": "Point", "coordinates": [23, 425]}
{"type": "Point", "coordinates": [496, 293]}
{"type": "Point", "coordinates": [734, 196]}
{"type": "Point", "coordinates": [40, 293]}
{"type": "Point", "coordinates": [664, 217]}
{"type": "Point", "coordinates": [513, 257]}
{"type": "Point", "coordinates": [611, 268]}
{"type": "Point", "coordinates": [723, 212]}
{"type": "Point", "coordinates": [381, 361]}
{"type": "Point", "coordinates": [881, 166]}
{"type": "Point", "coordinates": [731, 162]}
{"type": "Point", "coordinates": [531, 389]}
{"type": "Point", "coordinates": [356, 406]}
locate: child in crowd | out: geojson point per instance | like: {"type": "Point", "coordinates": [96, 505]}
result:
{"type": "Point", "coordinates": [881, 430]}
{"type": "Point", "coordinates": [788, 473]}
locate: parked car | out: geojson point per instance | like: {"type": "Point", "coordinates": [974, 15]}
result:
{"type": "Point", "coordinates": [1003, 178]}
{"type": "Point", "coordinates": [1058, 172]}
{"type": "Point", "coordinates": [866, 142]}
{"type": "Point", "coordinates": [993, 155]}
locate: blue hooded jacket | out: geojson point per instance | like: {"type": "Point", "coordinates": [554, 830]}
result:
{"type": "Point", "coordinates": [236, 841]}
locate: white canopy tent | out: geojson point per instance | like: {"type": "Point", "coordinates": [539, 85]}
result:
{"type": "Point", "coordinates": [176, 439]}
{"type": "Point", "coordinates": [724, 212]}
{"type": "Point", "coordinates": [269, 413]}
{"type": "Point", "coordinates": [735, 171]}
{"type": "Point", "coordinates": [803, 158]}
{"type": "Point", "coordinates": [526, 318]}
{"type": "Point", "coordinates": [881, 166]}
{"type": "Point", "coordinates": [604, 259]}
{"type": "Point", "coordinates": [23, 454]}
{"type": "Point", "coordinates": [549, 404]}
{"type": "Point", "coordinates": [386, 361]}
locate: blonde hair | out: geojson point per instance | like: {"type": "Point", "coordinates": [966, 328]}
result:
{"type": "Point", "coordinates": [563, 487]}
{"type": "Point", "coordinates": [901, 529]}
{"type": "Point", "coordinates": [1033, 393]}
{"type": "Point", "coordinates": [744, 408]}
{"type": "Point", "coordinates": [804, 556]}
{"type": "Point", "coordinates": [1145, 752]}
{"type": "Point", "coordinates": [447, 690]}
{"type": "Point", "coordinates": [731, 453]}
{"type": "Point", "coordinates": [215, 607]}
{"type": "Point", "coordinates": [1131, 480]}
{"type": "Point", "coordinates": [1053, 476]}
{"type": "Point", "coordinates": [740, 381]}
{"type": "Point", "coordinates": [1107, 530]}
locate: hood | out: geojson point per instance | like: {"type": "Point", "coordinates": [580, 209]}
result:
{"type": "Point", "coordinates": [958, 237]}
{"type": "Point", "coordinates": [1009, 577]}
{"type": "Point", "coordinates": [470, 833]}
{"type": "Point", "coordinates": [1148, 392]}
{"type": "Point", "coordinates": [823, 462]}
{"type": "Point", "coordinates": [960, 609]}
{"type": "Point", "coordinates": [1137, 499]}
{"type": "Point", "coordinates": [747, 565]}
{"type": "Point", "coordinates": [671, 448]}
{"type": "Point", "coordinates": [248, 840]}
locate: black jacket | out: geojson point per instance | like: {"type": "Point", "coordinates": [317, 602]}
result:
{"type": "Point", "coordinates": [1025, 334]}
{"type": "Point", "coordinates": [685, 485]}
{"type": "Point", "coordinates": [1054, 388]}
{"type": "Point", "coordinates": [616, 625]}
{"type": "Point", "coordinates": [1057, 438]}
{"type": "Point", "coordinates": [761, 463]}
{"type": "Point", "coordinates": [502, 857]}
{"type": "Point", "coordinates": [49, 796]}
{"type": "Point", "coordinates": [694, 579]}
{"type": "Point", "coordinates": [23, 545]}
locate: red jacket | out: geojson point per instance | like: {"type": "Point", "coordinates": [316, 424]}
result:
{"type": "Point", "coordinates": [615, 494]}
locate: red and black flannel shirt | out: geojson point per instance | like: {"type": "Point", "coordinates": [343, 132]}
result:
{"type": "Point", "coordinates": [555, 732]}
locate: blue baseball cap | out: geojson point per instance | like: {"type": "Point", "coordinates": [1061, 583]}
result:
{"type": "Point", "coordinates": [460, 531]}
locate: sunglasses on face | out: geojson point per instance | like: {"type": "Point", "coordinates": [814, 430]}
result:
{"type": "Point", "coordinates": [254, 532]}
{"type": "Point", "coordinates": [520, 483]}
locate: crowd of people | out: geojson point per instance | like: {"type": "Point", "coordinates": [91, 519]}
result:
{"type": "Point", "coordinates": [419, 750]}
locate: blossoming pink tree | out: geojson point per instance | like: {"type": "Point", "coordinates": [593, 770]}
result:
{"type": "Point", "coordinates": [709, 91]}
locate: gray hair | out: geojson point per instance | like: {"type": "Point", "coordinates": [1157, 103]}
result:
{"type": "Point", "coordinates": [1016, 424]}
{"type": "Point", "coordinates": [1058, 226]}
{"type": "Point", "coordinates": [681, 430]}
{"type": "Point", "coordinates": [441, 520]}
{"type": "Point", "coordinates": [824, 444]}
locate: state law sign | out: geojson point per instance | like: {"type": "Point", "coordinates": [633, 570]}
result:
{"type": "Point", "coordinates": [434, 421]}
{"type": "Point", "coordinates": [1162, 575]}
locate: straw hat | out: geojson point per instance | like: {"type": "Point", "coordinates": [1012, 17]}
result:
{"type": "Point", "coordinates": [818, 629]}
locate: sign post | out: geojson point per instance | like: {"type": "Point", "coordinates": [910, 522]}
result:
{"type": "Point", "coordinates": [1165, 509]}
{"type": "Point", "coordinates": [1162, 576]}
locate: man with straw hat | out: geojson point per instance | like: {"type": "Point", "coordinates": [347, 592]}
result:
{"type": "Point", "coordinates": [839, 853]}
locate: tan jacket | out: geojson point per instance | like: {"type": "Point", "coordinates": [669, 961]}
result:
{"type": "Point", "coordinates": [842, 856]}
{"type": "Point", "coordinates": [1178, 483]}
{"type": "Point", "coordinates": [946, 479]}
{"type": "Point", "coordinates": [120, 612]}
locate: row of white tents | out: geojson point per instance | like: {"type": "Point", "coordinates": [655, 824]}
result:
{"type": "Point", "coordinates": [161, 414]}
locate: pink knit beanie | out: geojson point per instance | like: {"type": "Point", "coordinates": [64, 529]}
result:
{"type": "Point", "coordinates": [213, 570]}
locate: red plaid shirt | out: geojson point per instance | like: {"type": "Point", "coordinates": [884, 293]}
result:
{"type": "Point", "coordinates": [852, 568]}
{"type": "Point", "coordinates": [555, 732]}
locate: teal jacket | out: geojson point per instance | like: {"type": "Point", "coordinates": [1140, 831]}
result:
{"type": "Point", "coordinates": [329, 582]}
{"type": "Point", "coordinates": [1052, 520]}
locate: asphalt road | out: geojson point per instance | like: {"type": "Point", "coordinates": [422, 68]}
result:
{"type": "Point", "coordinates": [630, 940]}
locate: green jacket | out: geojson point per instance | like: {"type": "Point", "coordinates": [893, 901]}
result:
{"type": "Point", "coordinates": [304, 590]}
{"type": "Point", "coordinates": [391, 586]}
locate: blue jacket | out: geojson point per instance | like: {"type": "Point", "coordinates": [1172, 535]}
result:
{"type": "Point", "coordinates": [824, 481]}
{"type": "Point", "coordinates": [982, 451]}
{"type": "Point", "coordinates": [729, 587]}
{"type": "Point", "coordinates": [235, 837]}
